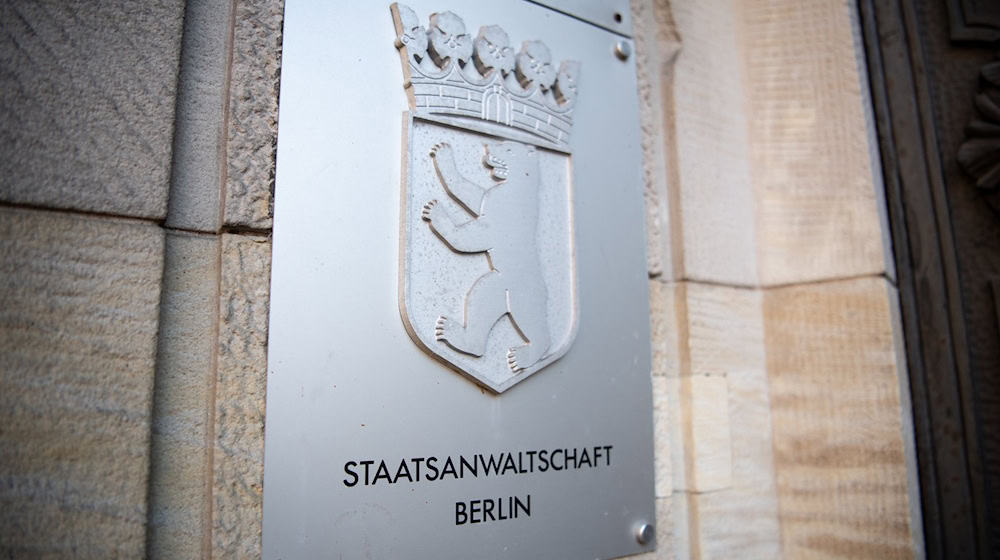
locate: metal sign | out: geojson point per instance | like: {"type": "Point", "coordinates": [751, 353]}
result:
{"type": "Point", "coordinates": [459, 337]}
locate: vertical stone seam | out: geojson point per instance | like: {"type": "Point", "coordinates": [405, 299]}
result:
{"type": "Point", "coordinates": [672, 164]}
{"type": "Point", "coordinates": [670, 43]}
{"type": "Point", "coordinates": [210, 435]}
{"type": "Point", "coordinates": [782, 532]}
{"type": "Point", "coordinates": [691, 495]}
{"type": "Point", "coordinates": [151, 410]}
{"type": "Point", "coordinates": [213, 376]}
{"type": "Point", "coordinates": [687, 429]}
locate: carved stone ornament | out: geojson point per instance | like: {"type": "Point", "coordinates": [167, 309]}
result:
{"type": "Point", "coordinates": [974, 20]}
{"type": "Point", "coordinates": [487, 277]}
{"type": "Point", "coordinates": [979, 155]}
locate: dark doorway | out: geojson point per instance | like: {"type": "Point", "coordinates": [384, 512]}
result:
{"type": "Point", "coordinates": [935, 80]}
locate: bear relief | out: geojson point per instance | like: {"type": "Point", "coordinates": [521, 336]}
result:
{"type": "Point", "coordinates": [504, 225]}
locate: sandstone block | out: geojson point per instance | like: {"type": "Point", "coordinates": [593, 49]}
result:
{"type": "Point", "coordinates": [839, 454]}
{"type": "Point", "coordinates": [667, 312]}
{"type": "Point", "coordinates": [700, 433]}
{"type": "Point", "coordinates": [743, 517]}
{"type": "Point", "coordinates": [253, 113]}
{"type": "Point", "coordinates": [183, 397]}
{"type": "Point", "coordinates": [725, 330]}
{"type": "Point", "coordinates": [88, 104]}
{"type": "Point", "coordinates": [663, 458]}
{"type": "Point", "coordinates": [200, 138]}
{"type": "Point", "coordinates": [716, 193]}
{"type": "Point", "coordinates": [241, 380]}
{"type": "Point", "coordinates": [814, 173]}
{"type": "Point", "coordinates": [707, 436]}
{"type": "Point", "coordinates": [78, 323]}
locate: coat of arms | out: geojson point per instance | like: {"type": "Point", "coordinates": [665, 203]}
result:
{"type": "Point", "coordinates": [487, 281]}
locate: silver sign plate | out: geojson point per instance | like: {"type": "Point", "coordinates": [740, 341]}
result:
{"type": "Point", "coordinates": [459, 337]}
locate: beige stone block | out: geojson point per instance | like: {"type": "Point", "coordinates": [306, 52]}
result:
{"type": "Point", "coordinates": [750, 414]}
{"type": "Point", "coordinates": [906, 420]}
{"type": "Point", "coordinates": [679, 535]}
{"type": "Point", "coordinates": [743, 520]}
{"type": "Point", "coordinates": [705, 440]}
{"type": "Point", "coordinates": [725, 329]}
{"type": "Point", "coordinates": [705, 329]}
{"type": "Point", "coordinates": [78, 322]}
{"type": "Point", "coordinates": [737, 523]}
{"type": "Point", "coordinates": [88, 104]}
{"type": "Point", "coordinates": [179, 506]}
{"type": "Point", "coordinates": [253, 113]}
{"type": "Point", "coordinates": [663, 458]}
{"type": "Point", "coordinates": [709, 435]}
{"type": "Point", "coordinates": [668, 320]}
{"type": "Point", "coordinates": [716, 196]}
{"type": "Point", "coordinates": [719, 424]}
{"type": "Point", "coordinates": [677, 426]}
{"type": "Point", "coordinates": [239, 397]}
{"type": "Point", "coordinates": [839, 454]}
{"type": "Point", "coordinates": [813, 173]}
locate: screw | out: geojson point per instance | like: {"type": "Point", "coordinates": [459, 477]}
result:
{"type": "Point", "coordinates": [623, 49]}
{"type": "Point", "coordinates": [646, 533]}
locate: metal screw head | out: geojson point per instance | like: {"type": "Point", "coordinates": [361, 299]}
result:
{"type": "Point", "coordinates": [623, 49]}
{"type": "Point", "coordinates": [645, 533]}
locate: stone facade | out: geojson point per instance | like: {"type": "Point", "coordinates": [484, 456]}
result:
{"type": "Point", "coordinates": [788, 430]}
{"type": "Point", "coordinates": [135, 215]}
{"type": "Point", "coordinates": [138, 157]}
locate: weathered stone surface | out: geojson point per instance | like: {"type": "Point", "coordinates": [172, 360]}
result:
{"type": "Point", "coordinates": [707, 440]}
{"type": "Point", "coordinates": [742, 521]}
{"type": "Point", "coordinates": [725, 329]}
{"type": "Point", "coordinates": [253, 113]}
{"type": "Point", "coordinates": [713, 421]}
{"type": "Point", "coordinates": [200, 139]}
{"type": "Point", "coordinates": [839, 456]}
{"type": "Point", "coordinates": [88, 104]}
{"type": "Point", "coordinates": [662, 452]}
{"type": "Point", "coordinates": [179, 507]}
{"type": "Point", "coordinates": [817, 209]}
{"type": "Point", "coordinates": [657, 45]}
{"type": "Point", "coordinates": [239, 397]}
{"type": "Point", "coordinates": [717, 202]}
{"type": "Point", "coordinates": [78, 322]}
{"type": "Point", "coordinates": [668, 320]}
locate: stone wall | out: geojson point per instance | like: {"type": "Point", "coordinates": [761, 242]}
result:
{"type": "Point", "coordinates": [135, 212]}
{"type": "Point", "coordinates": [783, 424]}
{"type": "Point", "coordinates": [137, 159]}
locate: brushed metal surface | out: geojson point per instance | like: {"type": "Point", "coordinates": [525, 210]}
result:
{"type": "Point", "coordinates": [346, 383]}
{"type": "Point", "coordinates": [613, 15]}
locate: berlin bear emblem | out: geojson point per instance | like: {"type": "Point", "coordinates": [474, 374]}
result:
{"type": "Point", "coordinates": [487, 279]}
{"type": "Point", "coordinates": [504, 226]}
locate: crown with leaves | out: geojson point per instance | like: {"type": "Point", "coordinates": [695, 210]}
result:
{"type": "Point", "coordinates": [454, 78]}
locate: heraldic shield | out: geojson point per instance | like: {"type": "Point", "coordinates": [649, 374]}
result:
{"type": "Point", "coordinates": [487, 276]}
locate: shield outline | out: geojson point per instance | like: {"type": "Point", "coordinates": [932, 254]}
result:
{"type": "Point", "coordinates": [429, 344]}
